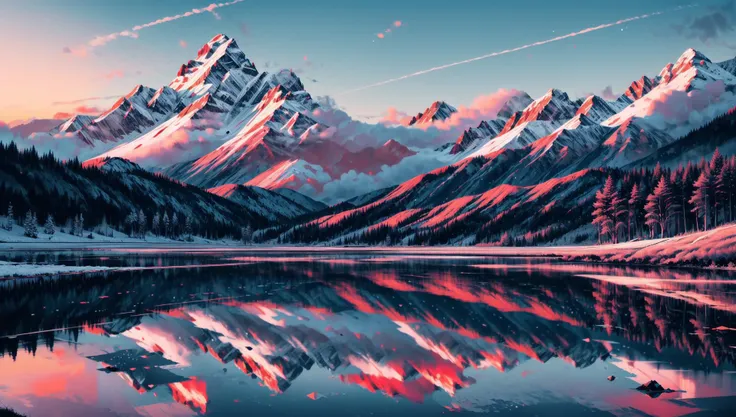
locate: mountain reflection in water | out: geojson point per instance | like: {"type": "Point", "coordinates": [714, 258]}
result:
{"type": "Point", "coordinates": [286, 334]}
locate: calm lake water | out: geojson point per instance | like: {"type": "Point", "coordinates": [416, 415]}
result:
{"type": "Point", "coordinates": [279, 334]}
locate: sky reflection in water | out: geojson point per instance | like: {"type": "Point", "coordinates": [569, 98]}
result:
{"type": "Point", "coordinates": [329, 334]}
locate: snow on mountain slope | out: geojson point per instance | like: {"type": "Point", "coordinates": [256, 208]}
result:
{"type": "Point", "coordinates": [270, 204]}
{"type": "Point", "coordinates": [555, 105]}
{"type": "Point", "coordinates": [300, 199]}
{"type": "Point", "coordinates": [471, 137]}
{"type": "Point", "coordinates": [598, 110]}
{"type": "Point", "coordinates": [130, 114]}
{"type": "Point", "coordinates": [521, 135]}
{"type": "Point", "coordinates": [113, 165]}
{"type": "Point", "coordinates": [439, 110]}
{"type": "Point", "coordinates": [637, 90]}
{"type": "Point", "coordinates": [690, 92]}
{"type": "Point", "coordinates": [220, 67]}
{"type": "Point", "coordinates": [560, 152]}
{"type": "Point", "coordinates": [75, 123]}
{"type": "Point", "coordinates": [515, 104]}
{"type": "Point", "coordinates": [170, 141]}
{"type": "Point", "coordinates": [538, 119]}
{"type": "Point", "coordinates": [296, 174]}
{"type": "Point", "coordinates": [264, 138]}
{"type": "Point", "coordinates": [221, 71]}
{"type": "Point", "coordinates": [729, 65]}
{"type": "Point", "coordinates": [558, 204]}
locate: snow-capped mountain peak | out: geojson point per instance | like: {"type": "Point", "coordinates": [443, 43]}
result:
{"type": "Point", "coordinates": [691, 70]}
{"type": "Point", "coordinates": [214, 62]}
{"type": "Point", "coordinates": [639, 88]}
{"type": "Point", "coordinates": [553, 105]}
{"type": "Point", "coordinates": [598, 109]}
{"type": "Point", "coordinates": [75, 123]}
{"type": "Point", "coordinates": [514, 104]}
{"type": "Point", "coordinates": [439, 110]}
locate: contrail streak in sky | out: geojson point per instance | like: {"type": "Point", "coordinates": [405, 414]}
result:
{"type": "Point", "coordinates": [133, 32]}
{"type": "Point", "coordinates": [520, 48]}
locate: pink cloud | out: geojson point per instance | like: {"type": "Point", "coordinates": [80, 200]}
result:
{"type": "Point", "coordinates": [114, 74]}
{"type": "Point", "coordinates": [62, 115]}
{"type": "Point", "coordinates": [395, 24]}
{"type": "Point", "coordinates": [88, 109]}
{"type": "Point", "coordinates": [483, 107]}
{"type": "Point", "coordinates": [679, 107]}
{"type": "Point", "coordinates": [78, 110]}
{"type": "Point", "coordinates": [393, 116]}
{"type": "Point", "coordinates": [183, 43]}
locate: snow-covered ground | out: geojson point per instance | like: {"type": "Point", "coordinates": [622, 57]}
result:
{"type": "Point", "coordinates": [715, 247]}
{"type": "Point", "coordinates": [16, 236]}
{"type": "Point", "coordinates": [12, 269]}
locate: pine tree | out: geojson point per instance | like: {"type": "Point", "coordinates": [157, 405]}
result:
{"type": "Point", "coordinates": [619, 213]}
{"type": "Point", "coordinates": [657, 172]}
{"type": "Point", "coordinates": [676, 192]}
{"type": "Point", "coordinates": [688, 183]}
{"type": "Point", "coordinates": [29, 225]}
{"type": "Point", "coordinates": [716, 165]}
{"type": "Point", "coordinates": [142, 222]}
{"type": "Point", "coordinates": [604, 211]}
{"type": "Point", "coordinates": [75, 226]}
{"type": "Point", "coordinates": [10, 221]}
{"type": "Point", "coordinates": [659, 207]}
{"type": "Point", "coordinates": [132, 222]}
{"type": "Point", "coordinates": [188, 228]}
{"type": "Point", "coordinates": [81, 224]}
{"type": "Point", "coordinates": [724, 184]}
{"type": "Point", "coordinates": [388, 241]}
{"type": "Point", "coordinates": [105, 228]}
{"type": "Point", "coordinates": [156, 224]}
{"type": "Point", "coordinates": [49, 228]}
{"type": "Point", "coordinates": [246, 234]}
{"type": "Point", "coordinates": [167, 225]}
{"type": "Point", "coordinates": [635, 205]}
{"type": "Point", "coordinates": [175, 226]}
{"type": "Point", "coordinates": [702, 195]}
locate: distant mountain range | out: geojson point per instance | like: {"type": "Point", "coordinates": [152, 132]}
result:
{"type": "Point", "coordinates": [221, 125]}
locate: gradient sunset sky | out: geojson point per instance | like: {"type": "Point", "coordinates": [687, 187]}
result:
{"type": "Point", "coordinates": [50, 67]}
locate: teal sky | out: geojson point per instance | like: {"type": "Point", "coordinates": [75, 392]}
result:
{"type": "Point", "coordinates": [342, 50]}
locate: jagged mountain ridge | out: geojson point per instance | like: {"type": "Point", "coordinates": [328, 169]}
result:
{"type": "Point", "coordinates": [439, 110]}
{"type": "Point", "coordinates": [266, 134]}
{"type": "Point", "coordinates": [528, 152]}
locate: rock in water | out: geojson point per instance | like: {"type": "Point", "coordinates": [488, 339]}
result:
{"type": "Point", "coordinates": [651, 386]}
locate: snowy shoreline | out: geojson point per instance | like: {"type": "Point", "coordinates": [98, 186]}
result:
{"type": "Point", "coordinates": [713, 248]}
{"type": "Point", "coordinates": [22, 270]}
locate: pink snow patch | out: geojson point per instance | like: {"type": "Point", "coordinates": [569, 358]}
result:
{"type": "Point", "coordinates": [395, 220]}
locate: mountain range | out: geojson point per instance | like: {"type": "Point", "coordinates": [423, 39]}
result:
{"type": "Point", "coordinates": [224, 126]}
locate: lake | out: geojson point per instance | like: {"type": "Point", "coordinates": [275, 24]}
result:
{"type": "Point", "coordinates": [230, 333]}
